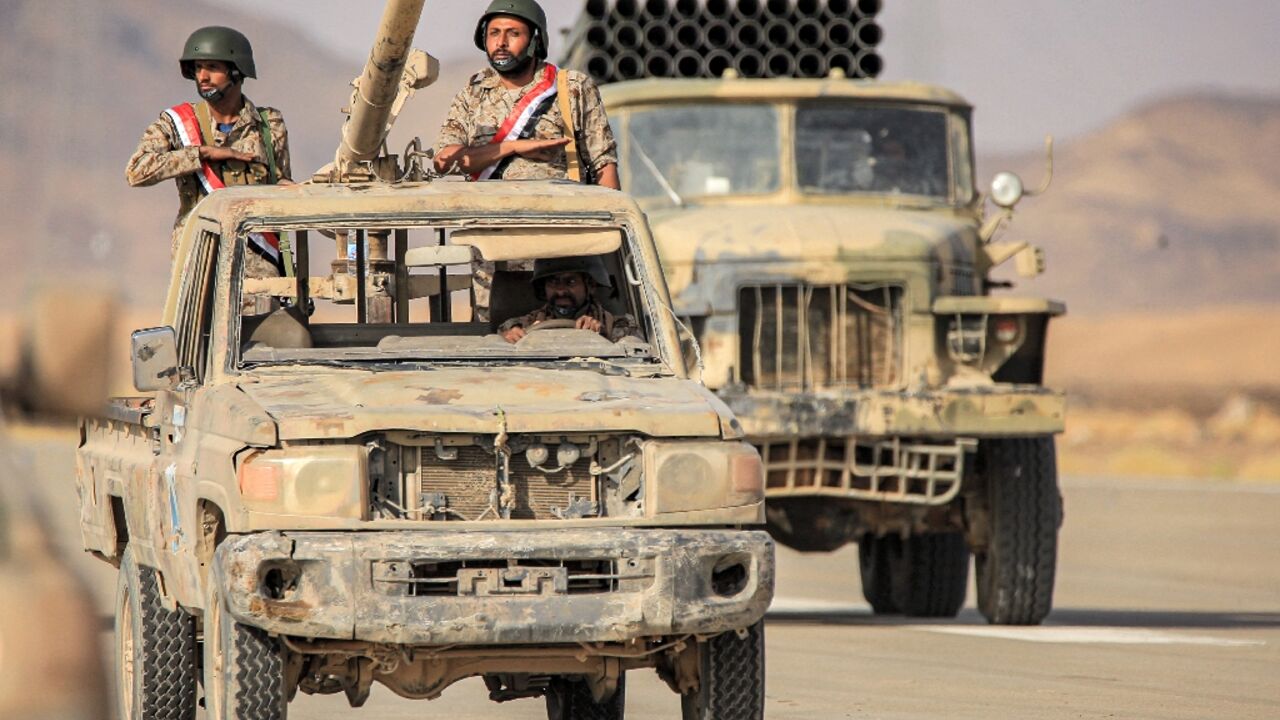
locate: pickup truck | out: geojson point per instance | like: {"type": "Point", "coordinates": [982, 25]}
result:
{"type": "Point", "coordinates": [340, 476]}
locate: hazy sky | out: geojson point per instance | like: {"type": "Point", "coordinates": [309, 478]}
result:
{"type": "Point", "coordinates": [1029, 66]}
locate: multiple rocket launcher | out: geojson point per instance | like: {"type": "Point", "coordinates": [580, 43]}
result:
{"type": "Point", "coordinates": [618, 40]}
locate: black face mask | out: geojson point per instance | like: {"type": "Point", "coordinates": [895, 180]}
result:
{"type": "Point", "coordinates": [214, 95]}
{"type": "Point", "coordinates": [516, 64]}
{"type": "Point", "coordinates": [568, 313]}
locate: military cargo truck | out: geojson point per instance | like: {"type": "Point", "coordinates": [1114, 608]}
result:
{"type": "Point", "coordinates": [826, 246]}
{"type": "Point", "coordinates": [337, 476]}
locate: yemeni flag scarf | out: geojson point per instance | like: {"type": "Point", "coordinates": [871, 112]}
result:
{"type": "Point", "coordinates": [184, 119]}
{"type": "Point", "coordinates": [533, 105]}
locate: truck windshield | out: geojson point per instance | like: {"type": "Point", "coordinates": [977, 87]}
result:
{"type": "Point", "coordinates": [701, 150]}
{"type": "Point", "coordinates": [847, 147]}
{"type": "Point", "coordinates": [444, 293]}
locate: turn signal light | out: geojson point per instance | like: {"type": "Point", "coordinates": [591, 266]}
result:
{"type": "Point", "coordinates": [1007, 329]}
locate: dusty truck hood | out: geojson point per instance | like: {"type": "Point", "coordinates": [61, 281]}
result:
{"type": "Point", "coordinates": [729, 232]}
{"type": "Point", "coordinates": [309, 404]}
{"type": "Point", "coordinates": [709, 251]}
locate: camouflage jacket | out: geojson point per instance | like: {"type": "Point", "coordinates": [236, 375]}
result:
{"type": "Point", "coordinates": [614, 327]}
{"type": "Point", "coordinates": [480, 108]}
{"type": "Point", "coordinates": [161, 156]}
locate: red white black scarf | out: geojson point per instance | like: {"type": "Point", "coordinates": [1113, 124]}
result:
{"type": "Point", "coordinates": [526, 111]}
{"type": "Point", "coordinates": [188, 127]}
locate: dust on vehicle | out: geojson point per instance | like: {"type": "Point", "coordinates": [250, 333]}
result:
{"type": "Point", "coordinates": [358, 482]}
{"type": "Point", "coordinates": [827, 248]}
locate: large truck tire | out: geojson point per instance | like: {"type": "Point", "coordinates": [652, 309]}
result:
{"type": "Point", "coordinates": [155, 649]}
{"type": "Point", "coordinates": [921, 576]}
{"type": "Point", "coordinates": [571, 699]}
{"type": "Point", "coordinates": [1016, 569]}
{"type": "Point", "coordinates": [875, 571]}
{"type": "Point", "coordinates": [931, 575]}
{"type": "Point", "coordinates": [244, 676]}
{"type": "Point", "coordinates": [731, 678]}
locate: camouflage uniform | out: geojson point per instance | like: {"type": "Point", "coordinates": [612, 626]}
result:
{"type": "Point", "coordinates": [161, 156]}
{"type": "Point", "coordinates": [481, 107]}
{"type": "Point", "coordinates": [612, 326]}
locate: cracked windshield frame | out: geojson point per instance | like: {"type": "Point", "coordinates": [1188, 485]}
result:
{"type": "Point", "coordinates": [512, 294]}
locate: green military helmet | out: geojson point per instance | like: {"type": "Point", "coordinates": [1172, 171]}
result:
{"type": "Point", "coordinates": [590, 265]}
{"type": "Point", "coordinates": [527, 10]}
{"type": "Point", "coordinates": [218, 43]}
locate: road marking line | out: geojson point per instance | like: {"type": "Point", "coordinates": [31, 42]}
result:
{"type": "Point", "coordinates": [808, 606]}
{"type": "Point", "coordinates": [1088, 635]}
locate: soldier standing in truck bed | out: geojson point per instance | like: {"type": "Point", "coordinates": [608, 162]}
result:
{"type": "Point", "coordinates": [223, 140]}
{"type": "Point", "coordinates": [509, 121]}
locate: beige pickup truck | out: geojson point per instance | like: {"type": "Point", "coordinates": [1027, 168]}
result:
{"type": "Point", "coordinates": [356, 482]}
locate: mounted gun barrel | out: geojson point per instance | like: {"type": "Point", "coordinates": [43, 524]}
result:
{"type": "Point", "coordinates": [392, 73]}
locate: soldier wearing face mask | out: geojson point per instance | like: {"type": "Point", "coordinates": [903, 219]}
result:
{"type": "Point", "coordinates": [509, 123]}
{"type": "Point", "coordinates": [568, 288]}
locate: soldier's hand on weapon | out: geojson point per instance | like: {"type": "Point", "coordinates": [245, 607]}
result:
{"type": "Point", "coordinates": [586, 322]}
{"type": "Point", "coordinates": [514, 334]}
{"type": "Point", "coordinates": [221, 154]}
{"type": "Point", "coordinates": [538, 150]}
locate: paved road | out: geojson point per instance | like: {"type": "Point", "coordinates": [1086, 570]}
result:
{"type": "Point", "coordinates": [1168, 606]}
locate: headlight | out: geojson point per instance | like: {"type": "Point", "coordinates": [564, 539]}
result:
{"type": "Point", "coordinates": [313, 480]}
{"type": "Point", "coordinates": [699, 475]}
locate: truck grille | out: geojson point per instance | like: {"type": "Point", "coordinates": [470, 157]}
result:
{"type": "Point", "coordinates": [463, 488]}
{"type": "Point", "coordinates": [890, 470]}
{"type": "Point", "coordinates": [512, 576]}
{"type": "Point", "coordinates": [800, 337]}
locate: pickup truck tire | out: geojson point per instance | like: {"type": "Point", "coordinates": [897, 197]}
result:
{"type": "Point", "coordinates": [243, 668]}
{"type": "Point", "coordinates": [155, 649]}
{"type": "Point", "coordinates": [1016, 569]}
{"type": "Point", "coordinates": [570, 699]}
{"type": "Point", "coordinates": [874, 570]}
{"type": "Point", "coordinates": [731, 678]}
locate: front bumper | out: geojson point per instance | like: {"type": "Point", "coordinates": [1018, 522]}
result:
{"type": "Point", "coordinates": [512, 587]}
{"type": "Point", "coordinates": [989, 411]}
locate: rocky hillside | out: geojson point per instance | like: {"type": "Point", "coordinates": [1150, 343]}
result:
{"type": "Point", "coordinates": [1170, 208]}
{"type": "Point", "coordinates": [1167, 209]}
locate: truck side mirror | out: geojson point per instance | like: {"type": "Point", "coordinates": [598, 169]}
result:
{"type": "Point", "coordinates": [154, 352]}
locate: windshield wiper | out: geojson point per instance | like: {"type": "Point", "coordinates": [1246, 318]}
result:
{"type": "Point", "coordinates": [653, 169]}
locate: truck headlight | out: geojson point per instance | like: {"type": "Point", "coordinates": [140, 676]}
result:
{"type": "Point", "coordinates": [315, 480]}
{"type": "Point", "coordinates": [682, 476]}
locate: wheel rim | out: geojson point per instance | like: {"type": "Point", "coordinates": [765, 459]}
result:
{"type": "Point", "coordinates": [125, 639]}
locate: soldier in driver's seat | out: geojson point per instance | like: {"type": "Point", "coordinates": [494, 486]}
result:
{"type": "Point", "coordinates": [567, 286]}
